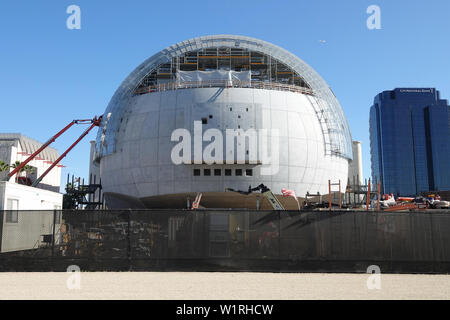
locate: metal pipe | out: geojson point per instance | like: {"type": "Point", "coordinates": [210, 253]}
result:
{"type": "Point", "coordinates": [329, 195]}
{"type": "Point", "coordinates": [340, 200]}
{"type": "Point", "coordinates": [378, 195]}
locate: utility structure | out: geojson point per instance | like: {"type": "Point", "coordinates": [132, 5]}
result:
{"type": "Point", "coordinates": [329, 194]}
{"type": "Point", "coordinates": [95, 122]}
{"type": "Point", "coordinates": [83, 196]}
{"type": "Point", "coordinates": [266, 192]}
{"type": "Point", "coordinates": [361, 194]}
{"type": "Point", "coordinates": [314, 200]}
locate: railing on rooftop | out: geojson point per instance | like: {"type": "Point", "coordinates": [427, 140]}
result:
{"type": "Point", "coordinates": [223, 83]}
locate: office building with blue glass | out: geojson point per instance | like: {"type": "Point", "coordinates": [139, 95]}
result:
{"type": "Point", "coordinates": [410, 141]}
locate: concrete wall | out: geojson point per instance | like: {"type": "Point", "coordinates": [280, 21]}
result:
{"type": "Point", "coordinates": [142, 166]}
{"type": "Point", "coordinates": [27, 232]}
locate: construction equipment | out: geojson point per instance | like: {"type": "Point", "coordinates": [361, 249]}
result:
{"type": "Point", "coordinates": [329, 194]}
{"type": "Point", "coordinates": [196, 202]}
{"type": "Point", "coordinates": [402, 207]}
{"type": "Point", "coordinates": [80, 195]}
{"type": "Point", "coordinates": [94, 123]}
{"type": "Point", "coordinates": [274, 202]}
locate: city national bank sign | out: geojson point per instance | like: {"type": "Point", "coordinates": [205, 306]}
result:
{"type": "Point", "coordinates": [416, 90]}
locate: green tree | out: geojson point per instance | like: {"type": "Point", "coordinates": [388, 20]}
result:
{"type": "Point", "coordinates": [4, 166]}
{"type": "Point", "coordinates": [28, 170]}
{"type": "Point", "coordinates": [14, 166]}
{"type": "Point", "coordinates": [75, 195]}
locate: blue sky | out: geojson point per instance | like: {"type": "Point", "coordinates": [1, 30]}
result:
{"type": "Point", "coordinates": [50, 75]}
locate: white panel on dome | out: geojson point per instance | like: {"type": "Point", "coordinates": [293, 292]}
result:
{"type": "Point", "coordinates": [147, 188]}
{"type": "Point", "coordinates": [282, 175]}
{"type": "Point", "coordinates": [168, 118]}
{"type": "Point", "coordinates": [278, 100]}
{"type": "Point", "coordinates": [295, 125]}
{"type": "Point", "coordinates": [298, 151]}
{"type": "Point", "coordinates": [296, 174]}
{"type": "Point", "coordinates": [166, 173]}
{"type": "Point", "coordinates": [150, 173]}
{"type": "Point", "coordinates": [168, 100]}
{"type": "Point", "coordinates": [312, 152]}
{"type": "Point", "coordinates": [166, 188]}
{"type": "Point", "coordinates": [279, 121]}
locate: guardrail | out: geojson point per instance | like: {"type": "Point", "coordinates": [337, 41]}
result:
{"type": "Point", "coordinates": [223, 83]}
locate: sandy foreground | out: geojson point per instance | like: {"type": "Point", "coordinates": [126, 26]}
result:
{"type": "Point", "coordinates": [226, 286]}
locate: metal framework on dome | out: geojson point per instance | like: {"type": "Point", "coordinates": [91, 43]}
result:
{"type": "Point", "coordinates": [262, 68]}
{"type": "Point", "coordinates": [270, 66]}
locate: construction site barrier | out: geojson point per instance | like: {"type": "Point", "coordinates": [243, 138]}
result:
{"type": "Point", "coordinates": [223, 240]}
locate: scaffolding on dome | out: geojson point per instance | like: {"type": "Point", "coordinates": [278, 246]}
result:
{"type": "Point", "coordinates": [268, 64]}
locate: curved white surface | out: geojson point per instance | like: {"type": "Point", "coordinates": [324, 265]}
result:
{"type": "Point", "coordinates": [337, 137]}
{"type": "Point", "coordinates": [141, 166]}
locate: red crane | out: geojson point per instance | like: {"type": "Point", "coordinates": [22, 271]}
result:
{"type": "Point", "coordinates": [94, 123]}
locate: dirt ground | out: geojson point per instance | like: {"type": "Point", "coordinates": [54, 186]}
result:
{"type": "Point", "coordinates": [215, 286]}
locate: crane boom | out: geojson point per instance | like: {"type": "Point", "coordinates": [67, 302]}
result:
{"type": "Point", "coordinates": [45, 145]}
{"type": "Point", "coordinates": [94, 122]}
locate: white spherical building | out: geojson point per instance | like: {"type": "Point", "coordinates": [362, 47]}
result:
{"type": "Point", "coordinates": [286, 126]}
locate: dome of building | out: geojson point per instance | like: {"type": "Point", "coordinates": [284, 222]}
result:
{"type": "Point", "coordinates": [219, 112]}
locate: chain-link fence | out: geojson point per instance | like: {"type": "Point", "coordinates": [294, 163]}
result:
{"type": "Point", "coordinates": [224, 240]}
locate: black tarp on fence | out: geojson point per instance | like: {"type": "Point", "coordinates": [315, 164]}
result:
{"type": "Point", "coordinates": [234, 240]}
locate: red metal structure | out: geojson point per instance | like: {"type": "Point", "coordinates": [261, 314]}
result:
{"type": "Point", "coordinates": [368, 196]}
{"type": "Point", "coordinates": [93, 123]}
